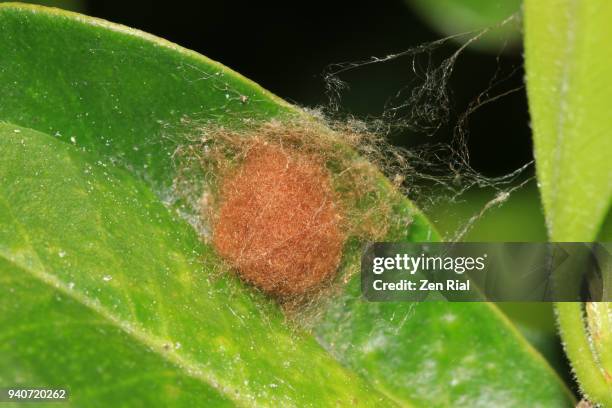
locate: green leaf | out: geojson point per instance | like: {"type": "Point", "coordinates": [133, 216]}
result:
{"type": "Point", "coordinates": [116, 91]}
{"type": "Point", "coordinates": [100, 92]}
{"type": "Point", "coordinates": [568, 67]}
{"type": "Point", "coordinates": [440, 354]}
{"type": "Point", "coordinates": [106, 292]}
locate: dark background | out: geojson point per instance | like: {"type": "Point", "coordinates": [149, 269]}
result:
{"type": "Point", "coordinates": [287, 48]}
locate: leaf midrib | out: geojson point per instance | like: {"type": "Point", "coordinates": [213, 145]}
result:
{"type": "Point", "coordinates": [559, 153]}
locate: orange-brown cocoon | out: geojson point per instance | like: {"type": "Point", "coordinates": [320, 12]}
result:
{"type": "Point", "coordinates": [278, 224]}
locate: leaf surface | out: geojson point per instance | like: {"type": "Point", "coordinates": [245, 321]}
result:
{"type": "Point", "coordinates": [568, 61]}
{"type": "Point", "coordinates": [106, 292]}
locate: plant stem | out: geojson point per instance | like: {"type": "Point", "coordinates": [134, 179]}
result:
{"type": "Point", "coordinates": [578, 348]}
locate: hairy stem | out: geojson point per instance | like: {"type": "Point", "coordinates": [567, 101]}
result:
{"type": "Point", "coordinates": [578, 348]}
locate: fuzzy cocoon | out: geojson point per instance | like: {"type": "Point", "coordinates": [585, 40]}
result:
{"type": "Point", "coordinates": [278, 223]}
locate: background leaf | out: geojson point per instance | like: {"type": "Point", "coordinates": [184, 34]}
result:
{"type": "Point", "coordinates": [569, 63]}
{"type": "Point", "coordinates": [452, 17]}
{"type": "Point", "coordinates": [129, 99]}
